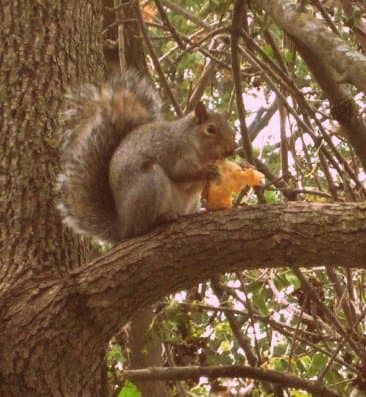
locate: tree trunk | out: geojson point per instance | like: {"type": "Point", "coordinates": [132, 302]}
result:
{"type": "Point", "coordinates": [47, 45]}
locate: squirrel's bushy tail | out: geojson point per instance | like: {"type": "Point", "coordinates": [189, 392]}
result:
{"type": "Point", "coordinates": [92, 128]}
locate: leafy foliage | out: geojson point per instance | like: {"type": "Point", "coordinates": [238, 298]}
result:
{"type": "Point", "coordinates": [308, 323]}
{"type": "Point", "coordinates": [129, 390]}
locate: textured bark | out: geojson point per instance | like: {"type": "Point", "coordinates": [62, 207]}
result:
{"type": "Point", "coordinates": [195, 248]}
{"type": "Point", "coordinates": [40, 58]}
{"type": "Point", "coordinates": [42, 53]}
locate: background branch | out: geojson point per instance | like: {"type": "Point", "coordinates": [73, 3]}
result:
{"type": "Point", "coordinates": [231, 371]}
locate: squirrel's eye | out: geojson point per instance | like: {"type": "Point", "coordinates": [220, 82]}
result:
{"type": "Point", "coordinates": [211, 129]}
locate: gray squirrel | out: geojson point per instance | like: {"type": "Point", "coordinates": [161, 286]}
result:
{"type": "Point", "coordinates": [124, 169]}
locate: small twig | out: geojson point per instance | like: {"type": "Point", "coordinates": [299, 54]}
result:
{"type": "Point", "coordinates": [303, 191]}
{"type": "Point", "coordinates": [283, 142]}
{"type": "Point", "coordinates": [156, 62]}
{"type": "Point", "coordinates": [340, 291]}
{"type": "Point", "coordinates": [295, 334]}
{"type": "Point", "coordinates": [187, 14]}
{"type": "Point", "coordinates": [278, 75]}
{"type": "Point", "coordinates": [278, 182]}
{"type": "Point", "coordinates": [114, 9]}
{"type": "Point", "coordinates": [330, 315]}
{"type": "Point", "coordinates": [206, 77]}
{"type": "Point", "coordinates": [282, 328]}
{"type": "Point", "coordinates": [251, 315]}
{"type": "Point", "coordinates": [358, 26]}
{"type": "Point", "coordinates": [167, 23]}
{"type": "Point", "coordinates": [325, 15]}
{"type": "Point", "coordinates": [120, 36]}
{"type": "Point", "coordinates": [235, 34]}
{"type": "Point", "coordinates": [117, 23]}
{"type": "Point", "coordinates": [339, 346]}
{"type": "Point", "coordinates": [261, 119]}
{"type": "Point", "coordinates": [195, 44]}
{"type": "Point", "coordinates": [171, 363]}
{"type": "Point", "coordinates": [242, 340]}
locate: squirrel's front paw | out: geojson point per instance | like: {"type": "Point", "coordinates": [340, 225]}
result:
{"type": "Point", "coordinates": [212, 172]}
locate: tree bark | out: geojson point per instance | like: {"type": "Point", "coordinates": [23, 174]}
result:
{"type": "Point", "coordinates": [46, 45]}
{"type": "Point", "coordinates": [53, 332]}
{"type": "Point", "coordinates": [194, 248]}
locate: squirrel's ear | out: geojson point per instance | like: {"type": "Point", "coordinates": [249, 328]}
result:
{"type": "Point", "coordinates": [201, 112]}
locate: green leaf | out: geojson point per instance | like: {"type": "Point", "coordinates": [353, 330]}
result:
{"type": "Point", "coordinates": [129, 390]}
{"type": "Point", "coordinates": [317, 364]}
{"type": "Point", "coordinates": [268, 50]}
{"type": "Point", "coordinates": [225, 346]}
{"type": "Point", "coordinates": [280, 281]}
{"type": "Point", "coordinates": [304, 363]}
{"type": "Point", "coordinates": [299, 393]}
{"type": "Point", "coordinates": [271, 197]}
{"type": "Point", "coordinates": [293, 280]}
{"type": "Point", "coordinates": [279, 364]}
{"type": "Point", "coordinates": [259, 298]}
{"type": "Point", "coordinates": [115, 355]}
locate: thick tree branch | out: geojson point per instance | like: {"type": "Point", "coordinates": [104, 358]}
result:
{"type": "Point", "coordinates": [231, 371]}
{"type": "Point", "coordinates": [317, 36]}
{"type": "Point", "coordinates": [344, 108]}
{"type": "Point", "coordinates": [179, 255]}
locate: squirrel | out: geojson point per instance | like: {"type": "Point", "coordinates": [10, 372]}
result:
{"type": "Point", "coordinates": [124, 169]}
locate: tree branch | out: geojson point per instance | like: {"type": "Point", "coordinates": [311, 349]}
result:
{"type": "Point", "coordinates": [344, 108]}
{"type": "Point", "coordinates": [179, 255]}
{"type": "Point", "coordinates": [231, 371]}
{"type": "Point", "coordinates": [316, 35]}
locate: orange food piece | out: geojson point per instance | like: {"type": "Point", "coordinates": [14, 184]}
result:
{"type": "Point", "coordinates": [233, 178]}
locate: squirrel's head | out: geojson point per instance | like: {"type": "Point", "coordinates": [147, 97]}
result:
{"type": "Point", "coordinates": [216, 138]}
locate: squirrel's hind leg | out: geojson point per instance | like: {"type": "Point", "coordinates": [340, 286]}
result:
{"type": "Point", "coordinates": [146, 201]}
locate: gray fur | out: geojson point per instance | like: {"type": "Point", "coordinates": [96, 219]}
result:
{"type": "Point", "coordinates": [88, 142]}
{"type": "Point", "coordinates": [124, 170]}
